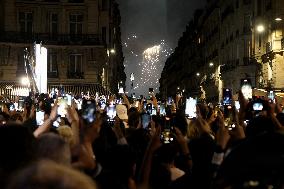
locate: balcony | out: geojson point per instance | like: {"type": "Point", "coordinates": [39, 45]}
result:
{"type": "Point", "coordinates": [75, 75]}
{"type": "Point", "coordinates": [52, 75]}
{"type": "Point", "coordinates": [49, 39]}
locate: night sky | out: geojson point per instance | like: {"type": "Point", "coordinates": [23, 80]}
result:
{"type": "Point", "coordinates": [152, 21]}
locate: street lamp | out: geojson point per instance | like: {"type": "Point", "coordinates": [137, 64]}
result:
{"type": "Point", "coordinates": [25, 81]}
{"type": "Point", "coordinates": [278, 19]}
{"type": "Point", "coordinates": [132, 80]}
{"type": "Point", "coordinates": [211, 64]}
{"type": "Point", "coordinates": [112, 51]}
{"type": "Point", "coordinates": [197, 74]}
{"type": "Point", "coordinates": [260, 28]}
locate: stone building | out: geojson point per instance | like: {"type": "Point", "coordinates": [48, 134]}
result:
{"type": "Point", "coordinates": [237, 59]}
{"type": "Point", "coordinates": [82, 38]}
{"type": "Point", "coordinates": [269, 43]}
{"type": "Point", "coordinates": [237, 39]}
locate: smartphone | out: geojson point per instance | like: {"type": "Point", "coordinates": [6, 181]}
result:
{"type": "Point", "coordinates": [257, 106]}
{"type": "Point", "coordinates": [190, 108]}
{"type": "Point", "coordinates": [170, 101]}
{"type": "Point", "coordinates": [154, 111]}
{"type": "Point", "coordinates": [11, 107]}
{"type": "Point", "coordinates": [89, 111]}
{"type": "Point", "coordinates": [144, 104]}
{"type": "Point", "coordinates": [62, 106]}
{"type": "Point", "coordinates": [237, 105]}
{"type": "Point", "coordinates": [69, 99]}
{"type": "Point", "coordinates": [227, 97]}
{"type": "Point", "coordinates": [146, 119]}
{"type": "Point", "coordinates": [78, 103]}
{"type": "Point", "coordinates": [246, 88]}
{"type": "Point", "coordinates": [102, 104]}
{"type": "Point", "coordinates": [166, 134]}
{"type": "Point", "coordinates": [56, 123]}
{"type": "Point", "coordinates": [271, 96]}
{"type": "Point", "coordinates": [21, 105]}
{"type": "Point", "coordinates": [111, 112]}
{"type": "Point", "coordinates": [162, 109]}
{"type": "Point", "coordinates": [121, 90]}
{"type": "Point", "coordinates": [149, 108]}
{"type": "Point", "coordinates": [228, 112]}
{"type": "Point", "coordinates": [39, 118]}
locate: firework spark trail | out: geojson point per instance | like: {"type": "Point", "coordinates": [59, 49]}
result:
{"type": "Point", "coordinates": [152, 65]}
{"type": "Point", "coordinates": [146, 64]}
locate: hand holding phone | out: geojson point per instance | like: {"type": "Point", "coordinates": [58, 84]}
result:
{"type": "Point", "coordinates": [146, 119]}
{"type": "Point", "coordinates": [167, 131]}
{"type": "Point", "coordinates": [246, 88]}
{"type": "Point", "coordinates": [39, 118]}
{"type": "Point", "coordinates": [190, 107]}
{"type": "Point", "coordinates": [89, 111]}
{"type": "Point", "coordinates": [111, 112]}
{"type": "Point", "coordinates": [227, 97]}
{"type": "Point", "coordinates": [271, 96]}
{"type": "Point", "coordinates": [62, 106]}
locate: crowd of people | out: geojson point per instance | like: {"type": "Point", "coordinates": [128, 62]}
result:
{"type": "Point", "coordinates": [219, 147]}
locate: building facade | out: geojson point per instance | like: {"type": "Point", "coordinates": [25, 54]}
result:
{"type": "Point", "coordinates": [232, 40]}
{"type": "Point", "coordinates": [82, 38]}
{"type": "Point", "coordinates": [269, 43]}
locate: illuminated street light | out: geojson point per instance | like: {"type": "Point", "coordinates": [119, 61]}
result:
{"type": "Point", "coordinates": [260, 28]}
{"type": "Point", "coordinates": [25, 81]}
{"type": "Point", "coordinates": [211, 64]}
{"type": "Point", "coordinates": [112, 51]}
{"type": "Point", "coordinates": [132, 77]}
{"type": "Point", "coordinates": [198, 74]}
{"type": "Point", "coordinates": [278, 19]}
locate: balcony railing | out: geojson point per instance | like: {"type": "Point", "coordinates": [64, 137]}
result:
{"type": "Point", "coordinates": [75, 75]}
{"type": "Point", "coordinates": [51, 39]}
{"type": "Point", "coordinates": [52, 74]}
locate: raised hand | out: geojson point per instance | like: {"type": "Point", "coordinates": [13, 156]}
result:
{"type": "Point", "coordinates": [72, 114]}
{"type": "Point", "coordinates": [155, 142]}
{"type": "Point", "coordinates": [181, 141]}
{"type": "Point", "coordinates": [222, 135]}
{"type": "Point", "coordinates": [53, 113]}
{"type": "Point", "coordinates": [243, 106]}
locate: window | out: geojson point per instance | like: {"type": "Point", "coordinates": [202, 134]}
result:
{"type": "Point", "coordinates": [76, 24]}
{"type": "Point", "coordinates": [75, 68]}
{"type": "Point", "coordinates": [54, 23]}
{"type": "Point", "coordinates": [21, 64]}
{"type": "Point", "coordinates": [247, 2]}
{"type": "Point", "coordinates": [268, 5]}
{"type": "Point", "coordinates": [104, 5]}
{"type": "Point", "coordinates": [259, 7]}
{"type": "Point", "coordinates": [52, 65]}
{"type": "Point", "coordinates": [26, 22]}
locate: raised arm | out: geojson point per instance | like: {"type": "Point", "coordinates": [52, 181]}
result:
{"type": "Point", "coordinates": [47, 123]}
{"type": "Point", "coordinates": [74, 120]}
